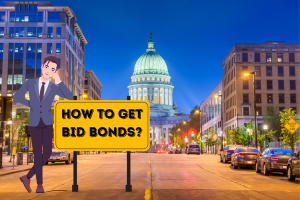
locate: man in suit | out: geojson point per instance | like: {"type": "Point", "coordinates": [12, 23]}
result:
{"type": "Point", "coordinates": [41, 93]}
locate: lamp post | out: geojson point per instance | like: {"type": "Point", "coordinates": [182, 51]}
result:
{"type": "Point", "coordinates": [265, 128]}
{"type": "Point", "coordinates": [200, 131]}
{"type": "Point", "coordinates": [218, 95]}
{"type": "Point", "coordinates": [8, 150]}
{"type": "Point", "coordinates": [254, 103]}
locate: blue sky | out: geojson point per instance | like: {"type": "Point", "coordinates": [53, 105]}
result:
{"type": "Point", "coordinates": [193, 37]}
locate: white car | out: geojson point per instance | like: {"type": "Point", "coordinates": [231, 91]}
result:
{"type": "Point", "coordinates": [61, 156]}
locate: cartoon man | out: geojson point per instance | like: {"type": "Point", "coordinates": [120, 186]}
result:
{"type": "Point", "coordinates": [41, 92]}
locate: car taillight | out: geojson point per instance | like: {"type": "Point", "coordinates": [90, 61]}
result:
{"type": "Point", "coordinates": [228, 151]}
{"type": "Point", "coordinates": [275, 159]}
{"type": "Point", "coordinates": [240, 155]}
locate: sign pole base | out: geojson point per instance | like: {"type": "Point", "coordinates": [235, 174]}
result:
{"type": "Point", "coordinates": [128, 188]}
{"type": "Point", "coordinates": [74, 188]}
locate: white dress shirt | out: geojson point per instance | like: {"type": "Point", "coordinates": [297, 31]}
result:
{"type": "Point", "coordinates": [45, 86]}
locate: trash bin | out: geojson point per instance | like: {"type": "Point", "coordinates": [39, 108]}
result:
{"type": "Point", "coordinates": [20, 158]}
{"type": "Point", "coordinates": [30, 157]}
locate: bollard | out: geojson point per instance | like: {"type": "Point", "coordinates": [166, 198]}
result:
{"type": "Point", "coordinates": [13, 161]}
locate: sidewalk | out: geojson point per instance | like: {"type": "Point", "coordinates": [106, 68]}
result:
{"type": "Point", "coordinates": [8, 166]}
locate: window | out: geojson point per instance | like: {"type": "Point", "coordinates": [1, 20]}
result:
{"type": "Point", "coordinates": [269, 71]}
{"type": "Point", "coordinates": [31, 32]}
{"type": "Point", "coordinates": [281, 98]}
{"type": "Point", "coordinates": [292, 85]}
{"type": "Point", "coordinates": [85, 82]}
{"type": "Point", "coordinates": [246, 111]}
{"type": "Point", "coordinates": [257, 71]}
{"type": "Point", "coordinates": [292, 71]}
{"type": "Point", "coordinates": [31, 13]}
{"type": "Point", "coordinates": [57, 17]}
{"type": "Point", "coordinates": [269, 85]}
{"type": "Point", "coordinates": [279, 57]}
{"type": "Point", "coordinates": [40, 32]}
{"type": "Point", "coordinates": [245, 98]}
{"type": "Point", "coordinates": [11, 32]}
{"type": "Point", "coordinates": [2, 16]}
{"type": "Point", "coordinates": [245, 69]}
{"type": "Point", "coordinates": [280, 85]}
{"type": "Point", "coordinates": [281, 109]}
{"type": "Point", "coordinates": [49, 47]}
{"type": "Point", "coordinates": [58, 47]}
{"type": "Point", "coordinates": [294, 109]}
{"type": "Point", "coordinates": [258, 84]}
{"type": "Point", "coordinates": [258, 98]}
{"type": "Point", "coordinates": [291, 57]}
{"type": "Point", "coordinates": [245, 84]}
{"type": "Point", "coordinates": [269, 57]}
{"type": "Point", "coordinates": [258, 111]}
{"type": "Point", "coordinates": [50, 32]}
{"type": "Point", "coordinates": [1, 32]}
{"type": "Point", "coordinates": [293, 98]}
{"type": "Point", "coordinates": [270, 98]}
{"type": "Point", "coordinates": [58, 32]}
{"type": "Point", "coordinates": [245, 57]}
{"type": "Point", "coordinates": [257, 57]}
{"type": "Point", "coordinates": [280, 71]}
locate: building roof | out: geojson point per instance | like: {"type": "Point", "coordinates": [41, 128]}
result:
{"type": "Point", "coordinates": [94, 76]}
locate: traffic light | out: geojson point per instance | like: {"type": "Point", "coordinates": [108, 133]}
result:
{"type": "Point", "coordinates": [170, 141]}
{"type": "Point", "coordinates": [6, 108]}
{"type": "Point", "coordinates": [192, 134]}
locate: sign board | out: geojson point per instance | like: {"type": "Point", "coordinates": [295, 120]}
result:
{"type": "Point", "coordinates": [267, 143]}
{"type": "Point", "coordinates": [250, 131]}
{"type": "Point", "coordinates": [106, 125]}
{"type": "Point", "coordinates": [14, 151]}
{"type": "Point", "coordinates": [292, 126]}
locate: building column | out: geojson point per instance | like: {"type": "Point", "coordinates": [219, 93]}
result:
{"type": "Point", "coordinates": [161, 95]}
{"type": "Point", "coordinates": [145, 94]}
{"type": "Point", "coordinates": [170, 98]}
{"type": "Point", "coordinates": [166, 97]}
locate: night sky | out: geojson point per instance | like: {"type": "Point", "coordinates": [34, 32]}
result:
{"type": "Point", "coordinates": [193, 37]}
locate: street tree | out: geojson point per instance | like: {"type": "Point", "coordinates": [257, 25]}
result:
{"type": "Point", "coordinates": [228, 137]}
{"type": "Point", "coordinates": [272, 119]}
{"type": "Point", "coordinates": [270, 135]}
{"type": "Point", "coordinates": [288, 138]}
{"type": "Point", "coordinates": [236, 135]}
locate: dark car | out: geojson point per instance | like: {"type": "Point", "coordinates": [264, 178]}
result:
{"type": "Point", "coordinates": [177, 151]}
{"type": "Point", "coordinates": [293, 167]}
{"type": "Point", "coordinates": [193, 148]}
{"type": "Point", "coordinates": [171, 151]}
{"type": "Point", "coordinates": [244, 157]}
{"type": "Point", "coordinates": [273, 160]}
{"type": "Point", "coordinates": [225, 155]}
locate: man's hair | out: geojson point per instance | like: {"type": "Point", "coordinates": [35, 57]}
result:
{"type": "Point", "coordinates": [52, 59]}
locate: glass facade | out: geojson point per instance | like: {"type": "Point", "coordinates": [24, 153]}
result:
{"type": "Point", "coordinates": [40, 32]}
{"type": "Point", "coordinates": [71, 71]}
{"type": "Point", "coordinates": [49, 47]}
{"type": "Point", "coordinates": [1, 61]}
{"type": "Point", "coordinates": [2, 16]}
{"type": "Point", "coordinates": [31, 32]}
{"type": "Point", "coordinates": [26, 12]}
{"type": "Point", "coordinates": [58, 47]}
{"type": "Point", "coordinates": [30, 61]}
{"type": "Point", "coordinates": [58, 32]}
{"type": "Point", "coordinates": [16, 32]}
{"type": "Point", "coordinates": [1, 32]}
{"type": "Point", "coordinates": [38, 60]}
{"type": "Point", "coordinates": [50, 32]}
{"type": "Point", "coordinates": [57, 17]}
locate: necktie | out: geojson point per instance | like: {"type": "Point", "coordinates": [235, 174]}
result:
{"type": "Point", "coordinates": [42, 92]}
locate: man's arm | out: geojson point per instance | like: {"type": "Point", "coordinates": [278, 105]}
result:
{"type": "Point", "coordinates": [64, 92]}
{"type": "Point", "coordinates": [18, 96]}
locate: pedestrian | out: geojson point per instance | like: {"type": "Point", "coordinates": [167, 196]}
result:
{"type": "Point", "coordinates": [41, 93]}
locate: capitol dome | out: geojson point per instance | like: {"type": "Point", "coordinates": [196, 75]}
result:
{"type": "Point", "coordinates": [150, 62]}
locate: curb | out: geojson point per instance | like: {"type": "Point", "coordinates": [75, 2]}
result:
{"type": "Point", "coordinates": [13, 172]}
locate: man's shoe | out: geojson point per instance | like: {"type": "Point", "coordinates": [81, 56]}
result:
{"type": "Point", "coordinates": [40, 189]}
{"type": "Point", "coordinates": [26, 182]}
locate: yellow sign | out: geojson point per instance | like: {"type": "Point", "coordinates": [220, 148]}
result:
{"type": "Point", "coordinates": [122, 125]}
{"type": "Point", "coordinates": [14, 150]}
{"type": "Point", "coordinates": [250, 131]}
{"type": "Point", "coordinates": [292, 126]}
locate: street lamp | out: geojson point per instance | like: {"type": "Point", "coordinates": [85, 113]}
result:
{"type": "Point", "coordinates": [266, 128]}
{"type": "Point", "coordinates": [254, 103]}
{"type": "Point", "coordinates": [218, 95]}
{"type": "Point", "coordinates": [8, 150]}
{"type": "Point", "coordinates": [84, 95]}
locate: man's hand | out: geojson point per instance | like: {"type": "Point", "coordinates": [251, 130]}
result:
{"type": "Point", "coordinates": [56, 77]}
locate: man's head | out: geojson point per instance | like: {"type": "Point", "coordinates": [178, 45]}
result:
{"type": "Point", "coordinates": [50, 66]}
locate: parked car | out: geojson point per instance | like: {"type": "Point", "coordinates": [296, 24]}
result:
{"type": "Point", "coordinates": [177, 151]}
{"type": "Point", "coordinates": [273, 160]}
{"type": "Point", "coordinates": [293, 167]}
{"type": "Point", "coordinates": [61, 156]}
{"type": "Point", "coordinates": [244, 157]}
{"type": "Point", "coordinates": [193, 148]}
{"type": "Point", "coordinates": [225, 155]}
{"type": "Point", "coordinates": [170, 151]}
{"type": "Point", "coordinates": [161, 151]}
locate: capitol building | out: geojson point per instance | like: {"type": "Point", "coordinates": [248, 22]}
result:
{"type": "Point", "coordinates": [151, 81]}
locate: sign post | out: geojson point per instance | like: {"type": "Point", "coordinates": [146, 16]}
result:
{"type": "Point", "coordinates": [14, 153]}
{"type": "Point", "coordinates": [292, 126]}
{"type": "Point", "coordinates": [106, 125]}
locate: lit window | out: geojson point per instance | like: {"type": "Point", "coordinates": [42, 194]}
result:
{"type": "Point", "coordinates": [58, 47]}
{"type": "Point", "coordinates": [279, 57]}
{"type": "Point", "coordinates": [269, 57]}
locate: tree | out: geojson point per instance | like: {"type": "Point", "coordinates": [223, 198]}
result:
{"type": "Point", "coordinates": [211, 134]}
{"type": "Point", "coordinates": [14, 129]}
{"type": "Point", "coordinates": [272, 119]}
{"type": "Point", "coordinates": [270, 135]}
{"type": "Point", "coordinates": [228, 138]}
{"type": "Point", "coordinates": [260, 140]}
{"type": "Point", "coordinates": [236, 135]}
{"type": "Point", "coordinates": [244, 136]}
{"type": "Point", "coordinates": [194, 123]}
{"type": "Point", "coordinates": [288, 138]}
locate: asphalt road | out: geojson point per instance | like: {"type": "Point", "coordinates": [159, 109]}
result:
{"type": "Point", "coordinates": [153, 176]}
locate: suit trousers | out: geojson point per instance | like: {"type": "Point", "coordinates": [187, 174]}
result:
{"type": "Point", "coordinates": [41, 137]}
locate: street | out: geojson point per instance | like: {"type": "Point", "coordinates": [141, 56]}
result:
{"type": "Point", "coordinates": [153, 176]}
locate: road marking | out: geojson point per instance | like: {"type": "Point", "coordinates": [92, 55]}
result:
{"type": "Point", "coordinates": [148, 173]}
{"type": "Point", "coordinates": [147, 194]}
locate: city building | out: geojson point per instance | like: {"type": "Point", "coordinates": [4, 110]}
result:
{"type": "Point", "coordinates": [31, 31]}
{"type": "Point", "coordinates": [211, 113]}
{"type": "Point", "coordinates": [92, 86]}
{"type": "Point", "coordinates": [277, 81]}
{"type": "Point", "coordinates": [151, 81]}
